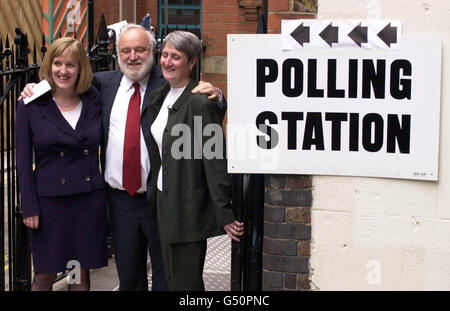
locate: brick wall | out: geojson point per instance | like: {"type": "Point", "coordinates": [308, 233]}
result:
{"type": "Point", "coordinates": [111, 10]}
{"type": "Point", "coordinates": [219, 18]}
{"type": "Point", "coordinates": [287, 232]}
{"type": "Point", "coordinates": [289, 9]}
{"type": "Point", "coordinates": [147, 6]}
{"type": "Point", "coordinates": [288, 198]}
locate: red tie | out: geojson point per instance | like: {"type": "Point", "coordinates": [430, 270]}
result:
{"type": "Point", "coordinates": [131, 175]}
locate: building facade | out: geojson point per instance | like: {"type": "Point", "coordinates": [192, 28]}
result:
{"type": "Point", "coordinates": [320, 232]}
{"type": "Point", "coordinates": [211, 19]}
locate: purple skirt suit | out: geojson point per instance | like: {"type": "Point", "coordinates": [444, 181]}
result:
{"type": "Point", "coordinates": [65, 187]}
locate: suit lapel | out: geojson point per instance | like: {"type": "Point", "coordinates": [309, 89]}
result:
{"type": "Point", "coordinates": [172, 119]}
{"type": "Point", "coordinates": [155, 81]}
{"type": "Point", "coordinates": [156, 101]}
{"type": "Point", "coordinates": [51, 112]}
{"type": "Point", "coordinates": [88, 114]}
{"type": "Point", "coordinates": [108, 92]}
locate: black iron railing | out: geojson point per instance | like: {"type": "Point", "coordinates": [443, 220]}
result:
{"type": "Point", "coordinates": [15, 72]}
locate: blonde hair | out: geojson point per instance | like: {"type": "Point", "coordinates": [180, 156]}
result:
{"type": "Point", "coordinates": [57, 48]}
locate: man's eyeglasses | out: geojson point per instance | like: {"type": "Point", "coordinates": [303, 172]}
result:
{"type": "Point", "coordinates": [126, 51]}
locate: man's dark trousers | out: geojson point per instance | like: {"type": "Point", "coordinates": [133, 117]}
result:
{"type": "Point", "coordinates": [133, 232]}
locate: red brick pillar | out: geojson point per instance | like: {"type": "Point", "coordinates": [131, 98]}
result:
{"type": "Point", "coordinates": [287, 232]}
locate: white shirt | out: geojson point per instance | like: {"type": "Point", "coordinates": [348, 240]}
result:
{"type": "Point", "coordinates": [73, 115]}
{"type": "Point", "coordinates": [160, 123]}
{"type": "Point", "coordinates": [116, 136]}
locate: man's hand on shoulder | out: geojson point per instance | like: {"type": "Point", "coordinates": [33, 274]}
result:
{"type": "Point", "coordinates": [208, 89]}
{"type": "Point", "coordinates": [27, 91]}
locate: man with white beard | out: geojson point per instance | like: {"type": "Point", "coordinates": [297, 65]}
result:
{"type": "Point", "coordinates": [133, 230]}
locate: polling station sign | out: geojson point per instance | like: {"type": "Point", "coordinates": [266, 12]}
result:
{"type": "Point", "coordinates": [354, 112]}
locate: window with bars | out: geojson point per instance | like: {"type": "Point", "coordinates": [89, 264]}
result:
{"type": "Point", "coordinates": [182, 15]}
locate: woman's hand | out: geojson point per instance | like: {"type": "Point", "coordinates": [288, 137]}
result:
{"type": "Point", "coordinates": [27, 91]}
{"type": "Point", "coordinates": [32, 222]}
{"type": "Point", "coordinates": [234, 230]}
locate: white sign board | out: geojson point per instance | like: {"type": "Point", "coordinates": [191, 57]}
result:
{"type": "Point", "coordinates": [350, 112]}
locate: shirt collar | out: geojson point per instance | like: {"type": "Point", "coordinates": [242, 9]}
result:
{"type": "Point", "coordinates": [128, 83]}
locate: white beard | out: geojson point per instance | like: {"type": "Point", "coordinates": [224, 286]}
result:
{"type": "Point", "coordinates": [137, 75]}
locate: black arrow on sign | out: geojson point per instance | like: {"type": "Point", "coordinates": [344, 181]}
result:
{"type": "Point", "coordinates": [301, 34]}
{"type": "Point", "coordinates": [359, 35]}
{"type": "Point", "coordinates": [330, 34]}
{"type": "Point", "coordinates": [388, 34]}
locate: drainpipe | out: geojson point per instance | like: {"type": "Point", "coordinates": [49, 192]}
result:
{"type": "Point", "coordinates": [166, 17]}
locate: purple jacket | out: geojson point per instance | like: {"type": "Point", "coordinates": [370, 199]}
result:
{"type": "Point", "coordinates": [67, 160]}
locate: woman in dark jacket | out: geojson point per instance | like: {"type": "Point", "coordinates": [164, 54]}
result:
{"type": "Point", "coordinates": [191, 188]}
{"type": "Point", "coordinates": [63, 199]}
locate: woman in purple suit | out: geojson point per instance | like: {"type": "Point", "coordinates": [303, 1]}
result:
{"type": "Point", "coordinates": [63, 199]}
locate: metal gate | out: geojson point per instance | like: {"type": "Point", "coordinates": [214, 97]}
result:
{"type": "Point", "coordinates": [15, 73]}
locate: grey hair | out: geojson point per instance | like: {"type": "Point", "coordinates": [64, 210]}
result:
{"type": "Point", "coordinates": [186, 42]}
{"type": "Point", "coordinates": [127, 27]}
